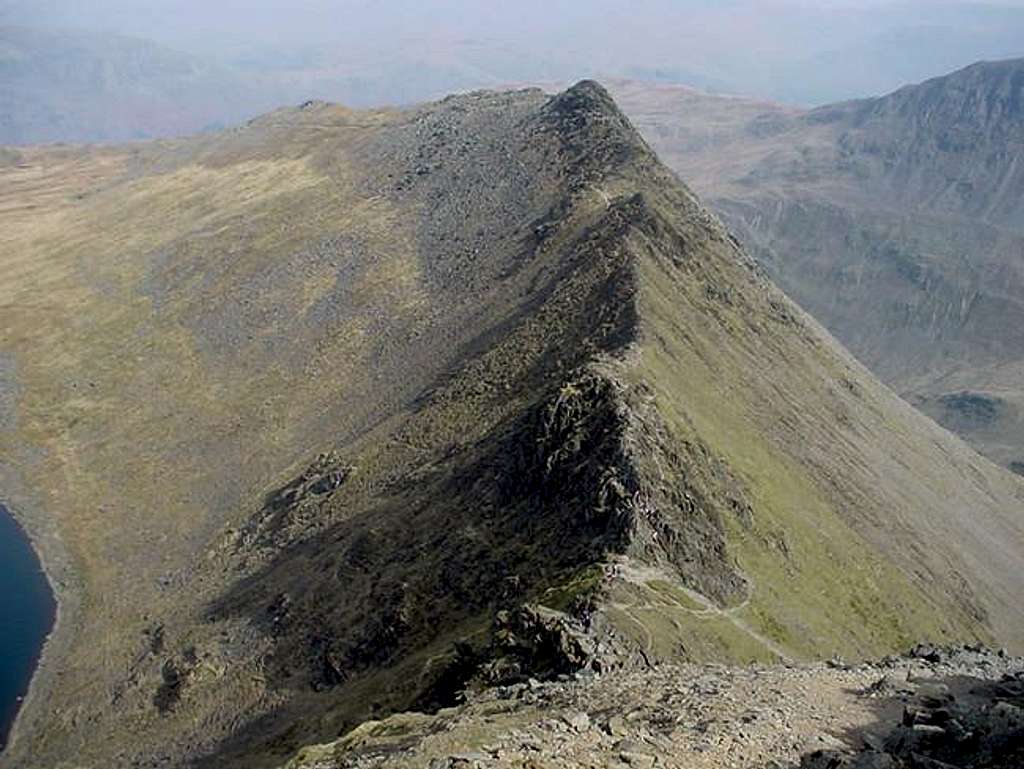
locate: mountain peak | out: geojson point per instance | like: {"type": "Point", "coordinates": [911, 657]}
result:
{"type": "Point", "coordinates": [982, 98]}
{"type": "Point", "coordinates": [585, 96]}
{"type": "Point", "coordinates": [598, 135]}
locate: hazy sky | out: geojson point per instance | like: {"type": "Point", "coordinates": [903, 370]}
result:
{"type": "Point", "coordinates": [392, 50]}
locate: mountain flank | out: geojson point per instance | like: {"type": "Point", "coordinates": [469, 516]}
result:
{"type": "Point", "coordinates": [340, 414]}
{"type": "Point", "coordinates": [895, 221]}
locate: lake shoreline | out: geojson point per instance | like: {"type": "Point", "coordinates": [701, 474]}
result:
{"type": "Point", "coordinates": [55, 565]}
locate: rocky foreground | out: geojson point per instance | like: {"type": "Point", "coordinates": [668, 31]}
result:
{"type": "Point", "coordinates": [953, 708]}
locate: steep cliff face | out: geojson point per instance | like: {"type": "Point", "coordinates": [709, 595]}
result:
{"type": "Point", "coordinates": [368, 408]}
{"type": "Point", "coordinates": [896, 221]}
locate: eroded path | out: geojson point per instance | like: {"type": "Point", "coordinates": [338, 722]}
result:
{"type": "Point", "coordinates": [681, 598]}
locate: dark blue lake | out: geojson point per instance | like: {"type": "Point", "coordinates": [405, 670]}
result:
{"type": "Point", "coordinates": [27, 612]}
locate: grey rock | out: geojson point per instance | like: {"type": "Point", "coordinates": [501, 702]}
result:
{"type": "Point", "coordinates": [616, 726]}
{"type": "Point", "coordinates": [579, 722]}
{"type": "Point", "coordinates": [1005, 721]}
{"type": "Point", "coordinates": [873, 742]}
{"type": "Point", "coordinates": [934, 694]}
{"type": "Point", "coordinates": [635, 759]}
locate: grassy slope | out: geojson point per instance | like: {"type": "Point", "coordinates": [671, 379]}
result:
{"type": "Point", "coordinates": [816, 550]}
{"type": "Point", "coordinates": [138, 425]}
{"type": "Point", "coordinates": [894, 221]}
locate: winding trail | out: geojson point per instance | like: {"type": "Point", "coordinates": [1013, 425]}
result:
{"type": "Point", "coordinates": [642, 575]}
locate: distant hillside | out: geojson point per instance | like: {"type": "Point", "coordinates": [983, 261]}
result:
{"type": "Point", "coordinates": [342, 412]}
{"type": "Point", "coordinates": [79, 86]}
{"type": "Point", "coordinates": [898, 222]}
{"type": "Point", "coordinates": [951, 146]}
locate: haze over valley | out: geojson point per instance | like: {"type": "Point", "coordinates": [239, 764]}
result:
{"type": "Point", "coordinates": [113, 70]}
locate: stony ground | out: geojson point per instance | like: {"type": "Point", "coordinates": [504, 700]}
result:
{"type": "Point", "coordinates": [818, 716]}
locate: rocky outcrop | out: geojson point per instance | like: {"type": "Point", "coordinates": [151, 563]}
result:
{"type": "Point", "coordinates": [284, 508]}
{"type": "Point", "coordinates": [971, 722]}
{"type": "Point", "coordinates": [953, 708]}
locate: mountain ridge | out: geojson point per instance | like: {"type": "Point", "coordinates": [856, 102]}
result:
{"type": "Point", "coordinates": [383, 405]}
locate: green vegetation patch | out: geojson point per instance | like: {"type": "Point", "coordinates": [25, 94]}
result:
{"type": "Point", "coordinates": [818, 587]}
{"type": "Point", "coordinates": [565, 595]}
{"type": "Point", "coordinates": [675, 595]}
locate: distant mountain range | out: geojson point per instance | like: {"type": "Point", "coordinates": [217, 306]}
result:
{"type": "Point", "coordinates": [70, 86]}
{"type": "Point", "coordinates": [898, 222]}
{"type": "Point", "coordinates": [65, 76]}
